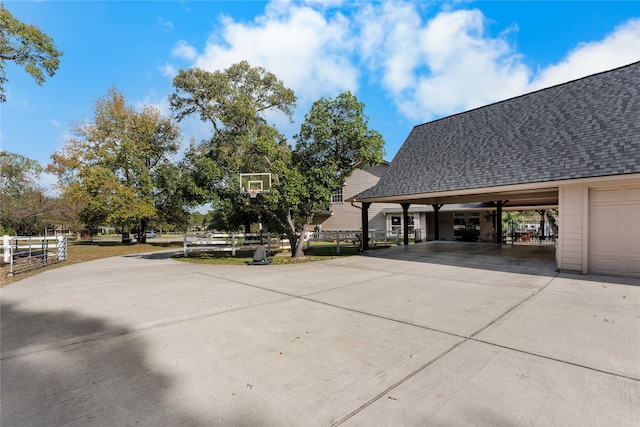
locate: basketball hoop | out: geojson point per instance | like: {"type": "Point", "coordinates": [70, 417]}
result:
{"type": "Point", "coordinates": [254, 183]}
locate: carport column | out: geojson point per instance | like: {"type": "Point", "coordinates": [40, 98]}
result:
{"type": "Point", "coordinates": [499, 205]}
{"type": "Point", "coordinates": [405, 222]}
{"type": "Point", "coordinates": [541, 233]}
{"type": "Point", "coordinates": [365, 225]}
{"type": "Point", "coordinates": [436, 221]}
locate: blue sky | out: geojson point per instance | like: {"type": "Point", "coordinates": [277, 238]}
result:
{"type": "Point", "coordinates": [409, 62]}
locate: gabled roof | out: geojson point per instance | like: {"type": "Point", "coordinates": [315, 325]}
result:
{"type": "Point", "coordinates": [588, 127]}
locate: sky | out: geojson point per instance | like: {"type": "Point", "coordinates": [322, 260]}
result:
{"type": "Point", "coordinates": [408, 62]}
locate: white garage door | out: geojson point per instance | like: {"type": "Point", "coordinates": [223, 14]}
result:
{"type": "Point", "coordinates": [614, 230]}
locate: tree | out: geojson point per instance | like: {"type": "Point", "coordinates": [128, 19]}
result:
{"type": "Point", "coordinates": [23, 204]}
{"type": "Point", "coordinates": [28, 47]}
{"type": "Point", "coordinates": [120, 165]}
{"type": "Point", "coordinates": [333, 141]}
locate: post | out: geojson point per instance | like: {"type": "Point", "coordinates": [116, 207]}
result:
{"type": "Point", "coordinates": [233, 243]}
{"type": "Point", "coordinates": [62, 247]}
{"type": "Point", "coordinates": [269, 243]}
{"type": "Point", "coordinates": [405, 222]}
{"type": "Point", "coordinates": [541, 233]}
{"type": "Point", "coordinates": [337, 242]}
{"type": "Point", "coordinates": [436, 221]}
{"type": "Point", "coordinates": [365, 225]}
{"type": "Point", "coordinates": [499, 222]}
{"type": "Point", "coordinates": [6, 248]}
{"type": "Point", "coordinates": [184, 239]}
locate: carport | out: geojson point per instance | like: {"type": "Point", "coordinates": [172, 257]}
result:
{"type": "Point", "coordinates": [572, 147]}
{"type": "Point", "coordinates": [501, 199]}
{"type": "Point", "coordinates": [537, 260]}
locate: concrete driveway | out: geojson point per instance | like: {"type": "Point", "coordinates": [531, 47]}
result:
{"type": "Point", "coordinates": [424, 335]}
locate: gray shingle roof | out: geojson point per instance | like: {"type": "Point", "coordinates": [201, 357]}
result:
{"type": "Point", "coordinates": [584, 128]}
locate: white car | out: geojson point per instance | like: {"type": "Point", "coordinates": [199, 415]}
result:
{"type": "Point", "coordinates": [151, 234]}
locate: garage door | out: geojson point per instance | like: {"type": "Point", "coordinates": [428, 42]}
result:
{"type": "Point", "coordinates": [614, 230]}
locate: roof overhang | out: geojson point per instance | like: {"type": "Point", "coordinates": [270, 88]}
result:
{"type": "Point", "coordinates": [536, 195]}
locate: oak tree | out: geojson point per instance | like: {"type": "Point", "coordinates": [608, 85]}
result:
{"type": "Point", "coordinates": [121, 165]}
{"type": "Point", "coordinates": [333, 140]}
{"type": "Point", "coordinates": [26, 46]}
{"type": "Point", "coordinates": [24, 206]}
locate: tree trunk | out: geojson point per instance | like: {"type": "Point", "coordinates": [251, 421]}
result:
{"type": "Point", "coordinates": [296, 244]}
{"type": "Point", "coordinates": [142, 232]}
{"type": "Point", "coordinates": [298, 253]}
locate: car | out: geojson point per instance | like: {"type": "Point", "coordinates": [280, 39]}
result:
{"type": "Point", "coordinates": [151, 234]}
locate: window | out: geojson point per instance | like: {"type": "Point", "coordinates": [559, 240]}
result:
{"type": "Point", "coordinates": [337, 196]}
{"type": "Point", "coordinates": [396, 222]}
{"type": "Point", "coordinates": [466, 226]}
{"type": "Point", "coordinates": [473, 222]}
{"type": "Point", "coordinates": [459, 224]}
{"type": "Point", "coordinates": [411, 224]}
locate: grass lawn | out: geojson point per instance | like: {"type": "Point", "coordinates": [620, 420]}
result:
{"type": "Point", "coordinates": [86, 251]}
{"type": "Point", "coordinates": [242, 259]}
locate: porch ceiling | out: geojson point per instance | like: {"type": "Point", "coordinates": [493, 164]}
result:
{"type": "Point", "coordinates": [521, 199]}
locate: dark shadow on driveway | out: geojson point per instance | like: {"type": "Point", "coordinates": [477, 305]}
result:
{"type": "Point", "coordinates": [65, 368]}
{"type": "Point", "coordinates": [156, 255]}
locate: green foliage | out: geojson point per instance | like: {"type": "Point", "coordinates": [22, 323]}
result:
{"type": "Point", "coordinates": [19, 173]}
{"type": "Point", "coordinates": [231, 100]}
{"type": "Point", "coordinates": [334, 140]}
{"type": "Point", "coordinates": [335, 134]}
{"type": "Point", "coordinates": [26, 46]}
{"type": "Point", "coordinates": [120, 166]}
{"type": "Point", "coordinates": [23, 205]}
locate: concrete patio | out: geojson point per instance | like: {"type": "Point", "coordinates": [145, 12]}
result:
{"type": "Point", "coordinates": [430, 334]}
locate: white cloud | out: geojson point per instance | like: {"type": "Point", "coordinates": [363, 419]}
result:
{"type": "Point", "coordinates": [449, 64]}
{"type": "Point", "coordinates": [619, 48]}
{"type": "Point", "coordinates": [310, 52]}
{"type": "Point", "coordinates": [54, 122]}
{"type": "Point", "coordinates": [430, 63]}
{"type": "Point", "coordinates": [184, 50]}
{"type": "Point", "coordinates": [168, 70]}
{"type": "Point", "coordinates": [389, 41]}
{"type": "Point", "coordinates": [166, 25]}
{"type": "Point", "coordinates": [442, 66]}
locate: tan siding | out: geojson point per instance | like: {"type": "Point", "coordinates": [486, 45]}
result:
{"type": "Point", "coordinates": [614, 228]}
{"type": "Point", "coordinates": [348, 217]}
{"type": "Point", "coordinates": [571, 227]}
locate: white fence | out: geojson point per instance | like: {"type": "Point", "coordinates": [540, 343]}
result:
{"type": "Point", "coordinates": [24, 253]}
{"type": "Point", "coordinates": [332, 239]}
{"type": "Point", "coordinates": [232, 242]}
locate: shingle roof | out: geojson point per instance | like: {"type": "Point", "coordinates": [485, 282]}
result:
{"type": "Point", "coordinates": [584, 128]}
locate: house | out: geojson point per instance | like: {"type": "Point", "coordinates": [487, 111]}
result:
{"type": "Point", "coordinates": [573, 147]}
{"type": "Point", "coordinates": [479, 219]}
{"type": "Point", "coordinates": [346, 216]}
{"type": "Point", "coordinates": [453, 219]}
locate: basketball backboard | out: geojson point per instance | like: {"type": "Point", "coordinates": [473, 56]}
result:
{"type": "Point", "coordinates": [254, 183]}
